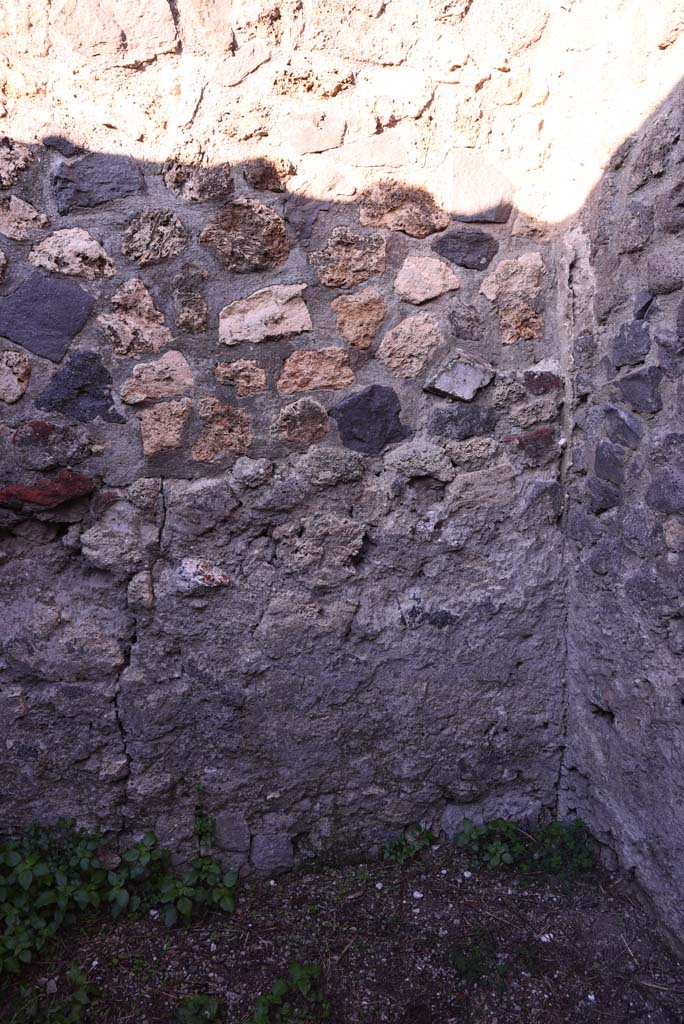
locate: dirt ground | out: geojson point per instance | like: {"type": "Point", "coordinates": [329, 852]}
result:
{"type": "Point", "coordinates": [426, 943]}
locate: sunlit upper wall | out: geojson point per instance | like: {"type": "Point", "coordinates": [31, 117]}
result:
{"type": "Point", "coordinates": [472, 98]}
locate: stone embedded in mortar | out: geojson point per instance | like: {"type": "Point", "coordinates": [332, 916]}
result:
{"type": "Point", "coordinates": [162, 426]}
{"type": "Point", "coordinates": [50, 492]}
{"type": "Point", "coordinates": [249, 377]}
{"type": "Point", "coordinates": [302, 422]}
{"type": "Point", "coordinates": [517, 281]}
{"type": "Point", "coordinates": [271, 853]}
{"type": "Point", "coordinates": [673, 534]}
{"type": "Point", "coordinates": [359, 316]}
{"type": "Point", "coordinates": [666, 491]}
{"type": "Point", "coordinates": [247, 236]}
{"type": "Point", "coordinates": [421, 458]}
{"type": "Point", "coordinates": [543, 378]}
{"type": "Point", "coordinates": [409, 346]}
{"type": "Point", "coordinates": [251, 472]}
{"type": "Point", "coordinates": [227, 433]}
{"type": "Point", "coordinates": [136, 327]}
{"type": "Point", "coordinates": [164, 378]}
{"type": "Point", "coordinates": [401, 207]}
{"type": "Point", "coordinates": [95, 179]}
{"type": "Point", "coordinates": [264, 175]}
{"type": "Point", "coordinates": [459, 422]}
{"type": "Point", "coordinates": [269, 313]}
{"type": "Point", "coordinates": [422, 278]}
{"type": "Point", "coordinates": [462, 377]}
{"type": "Point", "coordinates": [623, 428]}
{"type": "Point", "coordinates": [81, 389]}
{"type": "Point", "coordinates": [641, 389]}
{"type": "Point", "coordinates": [120, 541]}
{"type": "Point", "coordinates": [327, 467]}
{"type": "Point", "coordinates": [44, 314]}
{"type": "Point", "coordinates": [520, 323]}
{"type": "Point", "coordinates": [348, 258]}
{"type": "Point", "coordinates": [73, 252]}
{"type": "Point", "coordinates": [14, 158]}
{"type": "Point", "coordinates": [3, 266]}
{"type": "Point", "coordinates": [192, 312]}
{"type": "Point", "coordinates": [198, 184]}
{"type": "Point", "coordinates": [537, 446]}
{"type": "Point", "coordinates": [307, 370]}
{"type": "Point", "coordinates": [464, 321]}
{"type": "Point", "coordinates": [15, 372]}
{"type": "Point", "coordinates": [609, 464]}
{"type": "Point", "coordinates": [321, 548]}
{"type": "Point", "coordinates": [665, 270]}
{"type": "Point", "coordinates": [315, 132]}
{"type": "Point", "coordinates": [474, 452]}
{"type": "Point", "coordinates": [631, 344]}
{"type": "Point", "coordinates": [18, 219]}
{"type": "Point", "coordinates": [197, 574]}
{"type": "Point", "coordinates": [40, 445]}
{"type": "Point", "coordinates": [153, 235]}
{"type": "Point", "coordinates": [602, 495]}
{"type": "Point", "coordinates": [369, 420]}
{"type": "Point", "coordinates": [635, 229]}
{"type": "Point", "coordinates": [473, 250]}
{"type": "Point", "coordinates": [140, 591]}
{"type": "Point", "coordinates": [669, 212]}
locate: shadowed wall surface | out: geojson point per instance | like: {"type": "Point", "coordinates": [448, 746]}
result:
{"type": "Point", "coordinates": [340, 473]}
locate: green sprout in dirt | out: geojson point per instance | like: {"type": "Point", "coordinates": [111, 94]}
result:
{"type": "Point", "coordinates": [406, 847]}
{"type": "Point", "coordinates": [559, 848]}
{"type": "Point", "coordinates": [49, 876]}
{"type": "Point", "coordinates": [197, 1010]}
{"type": "Point", "coordinates": [39, 1008]}
{"type": "Point", "coordinates": [297, 999]}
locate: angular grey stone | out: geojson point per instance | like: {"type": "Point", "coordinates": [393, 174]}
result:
{"type": "Point", "coordinates": [669, 209]}
{"type": "Point", "coordinates": [623, 427]}
{"type": "Point", "coordinates": [82, 390]}
{"type": "Point", "coordinates": [95, 179]}
{"type": "Point", "coordinates": [271, 852]}
{"type": "Point", "coordinates": [44, 314]}
{"type": "Point", "coordinates": [462, 378]}
{"type": "Point", "coordinates": [369, 420]}
{"type": "Point", "coordinates": [631, 344]}
{"type": "Point", "coordinates": [608, 463]}
{"type": "Point", "coordinates": [464, 321]}
{"type": "Point", "coordinates": [473, 250]}
{"type": "Point", "coordinates": [641, 390]}
{"type": "Point", "coordinates": [602, 495]}
{"type": "Point", "coordinates": [643, 304]}
{"type": "Point", "coordinates": [636, 227]}
{"type": "Point", "coordinates": [665, 271]}
{"type": "Point", "coordinates": [460, 422]}
{"type": "Point", "coordinates": [666, 492]}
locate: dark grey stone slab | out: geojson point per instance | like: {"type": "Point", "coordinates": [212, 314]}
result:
{"type": "Point", "coordinates": [369, 420]}
{"type": "Point", "coordinates": [95, 179]}
{"type": "Point", "coordinates": [82, 390]}
{"type": "Point", "coordinates": [44, 314]}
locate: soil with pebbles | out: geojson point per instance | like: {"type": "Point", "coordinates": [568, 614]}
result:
{"type": "Point", "coordinates": [426, 943]}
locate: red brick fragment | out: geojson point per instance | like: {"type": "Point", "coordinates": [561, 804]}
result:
{"type": "Point", "coordinates": [49, 492]}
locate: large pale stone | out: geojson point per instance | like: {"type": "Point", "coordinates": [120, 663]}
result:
{"type": "Point", "coordinates": [197, 184]}
{"type": "Point", "coordinates": [165, 378]}
{"type": "Point", "coordinates": [73, 252]}
{"type": "Point", "coordinates": [359, 316]}
{"type": "Point", "coordinates": [269, 313]}
{"type": "Point", "coordinates": [422, 278]}
{"type": "Point", "coordinates": [480, 191]}
{"type": "Point", "coordinates": [408, 348]}
{"type": "Point", "coordinates": [406, 208]}
{"type": "Point", "coordinates": [14, 158]}
{"type": "Point", "coordinates": [348, 258]}
{"type": "Point", "coordinates": [315, 133]}
{"type": "Point", "coordinates": [114, 31]}
{"type": "Point", "coordinates": [137, 326]}
{"type": "Point", "coordinates": [162, 426]}
{"type": "Point", "coordinates": [245, 373]}
{"type": "Point", "coordinates": [18, 219]}
{"type": "Point", "coordinates": [462, 377]}
{"type": "Point", "coordinates": [15, 371]}
{"type": "Point", "coordinates": [321, 368]}
{"type": "Point", "coordinates": [227, 433]}
{"type": "Point", "coordinates": [515, 281]}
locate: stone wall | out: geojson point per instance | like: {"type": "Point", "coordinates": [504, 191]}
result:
{"type": "Point", "coordinates": [304, 343]}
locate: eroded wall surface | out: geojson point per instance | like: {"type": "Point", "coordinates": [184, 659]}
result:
{"type": "Point", "coordinates": [295, 314]}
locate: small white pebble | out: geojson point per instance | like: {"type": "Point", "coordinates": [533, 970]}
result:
{"type": "Point", "coordinates": [546, 937]}
{"type": "Point", "coordinates": [467, 874]}
{"type": "Point", "coordinates": [154, 913]}
{"type": "Point", "coordinates": [443, 871]}
{"type": "Point", "coordinates": [271, 881]}
{"type": "Point", "coordinates": [94, 963]}
{"type": "Point", "coordinates": [416, 910]}
{"type": "Point", "coordinates": [417, 895]}
{"type": "Point", "coordinates": [51, 987]}
{"type": "Point", "coordinates": [591, 997]}
{"type": "Point", "coordinates": [378, 885]}
{"type": "Point", "coordinates": [212, 947]}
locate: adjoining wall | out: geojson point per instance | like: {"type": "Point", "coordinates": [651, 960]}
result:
{"type": "Point", "coordinates": [625, 520]}
{"type": "Point", "coordinates": [292, 353]}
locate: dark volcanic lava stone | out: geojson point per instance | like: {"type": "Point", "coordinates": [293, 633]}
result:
{"type": "Point", "coordinates": [44, 314]}
{"type": "Point", "coordinates": [369, 420]}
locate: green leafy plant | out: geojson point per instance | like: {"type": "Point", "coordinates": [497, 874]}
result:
{"type": "Point", "coordinates": [205, 828]}
{"type": "Point", "coordinates": [558, 848]}
{"type": "Point", "coordinates": [297, 999]}
{"type": "Point", "coordinates": [38, 1008]}
{"type": "Point", "coordinates": [197, 1009]}
{"type": "Point", "coordinates": [49, 876]}
{"type": "Point", "coordinates": [477, 961]}
{"type": "Point", "coordinates": [407, 846]}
